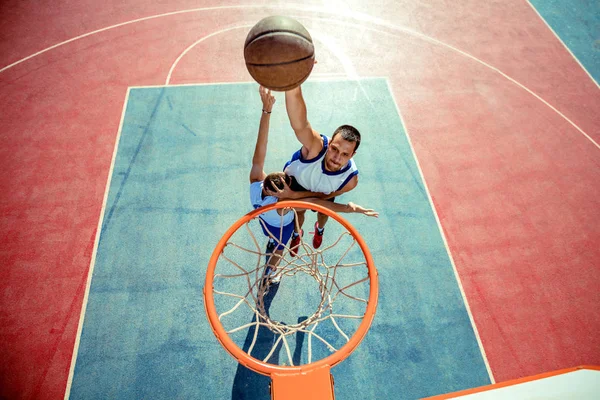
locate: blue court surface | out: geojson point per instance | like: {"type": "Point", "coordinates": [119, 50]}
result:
{"type": "Point", "coordinates": [180, 179]}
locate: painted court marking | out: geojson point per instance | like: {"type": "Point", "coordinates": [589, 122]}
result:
{"type": "Point", "coordinates": [350, 14]}
{"type": "Point", "coordinates": [563, 43]}
{"type": "Point", "coordinates": [443, 235]}
{"type": "Point", "coordinates": [95, 251]}
{"type": "Point", "coordinates": [174, 65]}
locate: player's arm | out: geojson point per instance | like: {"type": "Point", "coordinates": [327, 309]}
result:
{"type": "Point", "coordinates": [343, 208]}
{"type": "Point", "coordinates": [296, 110]}
{"type": "Point", "coordinates": [286, 193]}
{"type": "Point", "coordinates": [257, 172]}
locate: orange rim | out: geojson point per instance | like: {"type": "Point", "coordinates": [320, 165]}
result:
{"type": "Point", "coordinates": [266, 368]}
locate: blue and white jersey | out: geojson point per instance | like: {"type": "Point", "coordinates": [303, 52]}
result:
{"type": "Point", "coordinates": [312, 175]}
{"type": "Point", "coordinates": [270, 217]}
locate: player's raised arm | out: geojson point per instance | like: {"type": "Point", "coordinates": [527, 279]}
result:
{"type": "Point", "coordinates": [296, 109]}
{"type": "Point", "coordinates": [257, 172]}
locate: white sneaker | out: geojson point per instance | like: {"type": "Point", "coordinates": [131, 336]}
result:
{"type": "Point", "coordinates": [274, 277]}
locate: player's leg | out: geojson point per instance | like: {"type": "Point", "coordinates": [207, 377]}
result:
{"type": "Point", "coordinates": [300, 220]}
{"type": "Point", "coordinates": [297, 235]}
{"type": "Point", "coordinates": [322, 219]}
{"type": "Point", "coordinates": [277, 239]}
{"type": "Point", "coordinates": [276, 247]}
{"type": "Point", "coordinates": [319, 230]}
{"type": "Point", "coordinates": [320, 227]}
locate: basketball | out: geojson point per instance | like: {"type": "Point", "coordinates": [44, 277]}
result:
{"type": "Point", "coordinates": [279, 53]}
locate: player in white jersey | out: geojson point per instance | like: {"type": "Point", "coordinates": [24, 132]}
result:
{"type": "Point", "coordinates": [275, 223]}
{"type": "Point", "coordinates": [323, 166]}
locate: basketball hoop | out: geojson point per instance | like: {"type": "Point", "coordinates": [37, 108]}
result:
{"type": "Point", "coordinates": [237, 289]}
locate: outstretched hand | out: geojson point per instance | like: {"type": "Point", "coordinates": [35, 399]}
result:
{"type": "Point", "coordinates": [281, 194]}
{"type": "Point", "coordinates": [267, 98]}
{"type": "Point", "coordinates": [360, 209]}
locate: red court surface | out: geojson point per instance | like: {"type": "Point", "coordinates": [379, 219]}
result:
{"type": "Point", "coordinates": [504, 122]}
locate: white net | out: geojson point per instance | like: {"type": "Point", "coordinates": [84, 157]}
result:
{"type": "Point", "coordinates": [289, 309]}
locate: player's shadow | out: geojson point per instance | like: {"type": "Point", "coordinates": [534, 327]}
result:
{"type": "Point", "coordinates": [247, 384]}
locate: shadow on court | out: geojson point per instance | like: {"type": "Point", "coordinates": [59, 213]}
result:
{"type": "Point", "coordinates": [249, 385]}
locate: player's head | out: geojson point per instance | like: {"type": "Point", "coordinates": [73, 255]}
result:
{"type": "Point", "coordinates": [275, 180]}
{"type": "Point", "coordinates": [343, 146]}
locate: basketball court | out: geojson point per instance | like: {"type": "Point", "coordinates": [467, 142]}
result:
{"type": "Point", "coordinates": [128, 138]}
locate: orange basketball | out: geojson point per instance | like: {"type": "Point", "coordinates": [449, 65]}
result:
{"type": "Point", "coordinates": [279, 53]}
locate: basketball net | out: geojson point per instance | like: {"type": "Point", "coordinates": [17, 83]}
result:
{"type": "Point", "coordinates": [243, 278]}
{"type": "Point", "coordinates": [309, 261]}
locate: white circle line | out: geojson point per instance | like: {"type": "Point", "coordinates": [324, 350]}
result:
{"type": "Point", "coordinates": [174, 65]}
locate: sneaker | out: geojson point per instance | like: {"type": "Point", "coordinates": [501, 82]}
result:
{"type": "Point", "coordinates": [318, 237]}
{"type": "Point", "coordinates": [271, 277]}
{"type": "Point", "coordinates": [295, 243]}
{"type": "Point", "coordinates": [274, 277]}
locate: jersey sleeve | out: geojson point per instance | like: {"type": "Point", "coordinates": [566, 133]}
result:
{"type": "Point", "coordinates": [256, 194]}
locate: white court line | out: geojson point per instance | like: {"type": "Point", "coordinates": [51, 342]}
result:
{"type": "Point", "coordinates": [338, 13]}
{"type": "Point", "coordinates": [94, 252]}
{"type": "Point", "coordinates": [123, 24]}
{"type": "Point", "coordinates": [174, 65]}
{"type": "Point", "coordinates": [563, 43]}
{"type": "Point", "coordinates": [439, 223]}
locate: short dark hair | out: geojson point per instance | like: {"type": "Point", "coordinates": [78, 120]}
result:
{"type": "Point", "coordinates": [276, 179]}
{"type": "Point", "coordinates": [349, 133]}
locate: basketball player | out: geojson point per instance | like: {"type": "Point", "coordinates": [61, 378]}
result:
{"type": "Point", "coordinates": [323, 165]}
{"type": "Point", "coordinates": [279, 227]}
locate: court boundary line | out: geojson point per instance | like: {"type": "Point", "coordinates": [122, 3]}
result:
{"type": "Point", "coordinates": [443, 235]}
{"type": "Point", "coordinates": [563, 43]}
{"type": "Point", "coordinates": [94, 253]}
